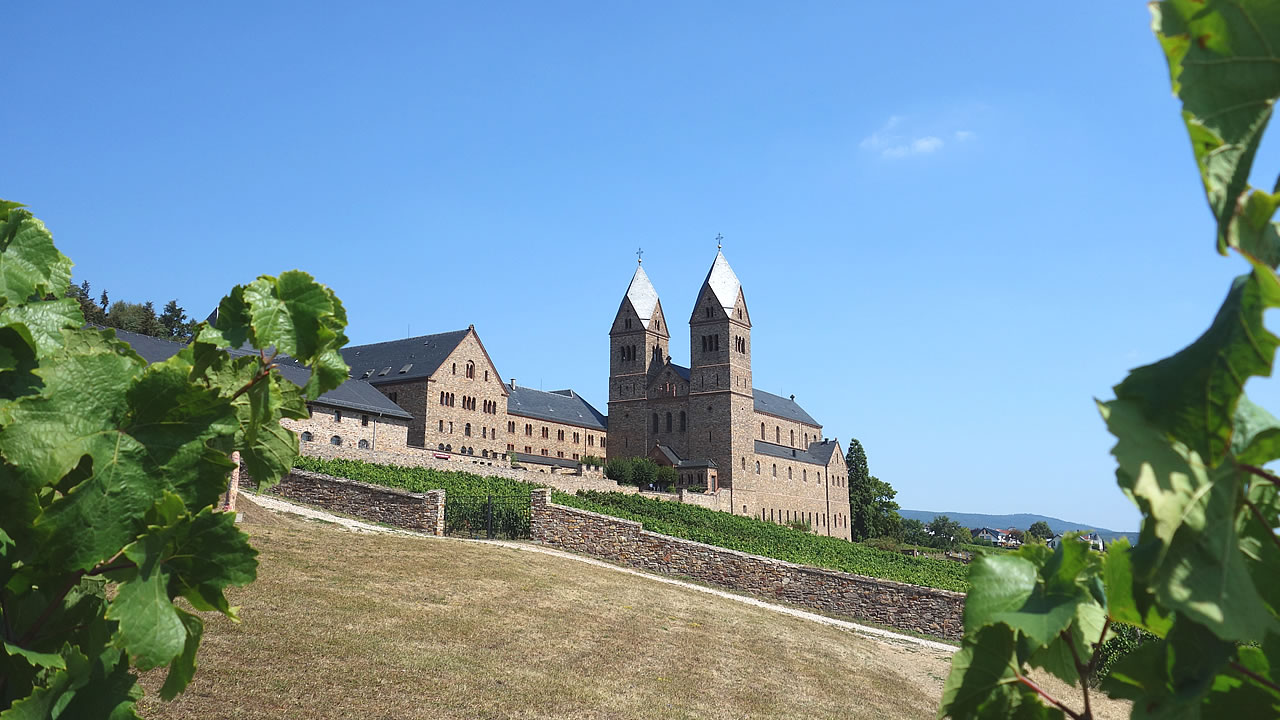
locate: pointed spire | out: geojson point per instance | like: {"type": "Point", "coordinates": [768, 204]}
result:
{"type": "Point", "coordinates": [723, 282]}
{"type": "Point", "coordinates": [643, 296]}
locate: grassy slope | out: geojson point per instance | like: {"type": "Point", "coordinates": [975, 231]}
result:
{"type": "Point", "coordinates": [346, 625]}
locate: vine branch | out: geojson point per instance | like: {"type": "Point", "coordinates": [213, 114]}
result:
{"type": "Point", "coordinates": [1254, 676]}
{"type": "Point", "coordinates": [1266, 527]}
{"type": "Point", "coordinates": [1051, 699]}
{"type": "Point", "coordinates": [1081, 669]}
{"type": "Point", "coordinates": [1259, 472]}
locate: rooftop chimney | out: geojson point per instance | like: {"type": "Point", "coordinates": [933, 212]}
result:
{"type": "Point", "coordinates": [513, 383]}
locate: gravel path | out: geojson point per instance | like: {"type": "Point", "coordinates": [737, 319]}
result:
{"type": "Point", "coordinates": [886, 636]}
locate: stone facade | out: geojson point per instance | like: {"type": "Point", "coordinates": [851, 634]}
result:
{"type": "Point", "coordinates": [423, 512]}
{"type": "Point", "coordinates": [764, 448]}
{"type": "Point", "coordinates": [548, 438]}
{"type": "Point", "coordinates": [352, 429]}
{"type": "Point", "coordinates": [899, 605]}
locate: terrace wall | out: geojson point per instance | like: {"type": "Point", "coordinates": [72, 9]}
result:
{"type": "Point", "coordinates": [899, 605]}
{"type": "Point", "coordinates": [423, 512]}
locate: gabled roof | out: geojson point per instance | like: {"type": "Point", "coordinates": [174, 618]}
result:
{"type": "Point", "coordinates": [643, 296]}
{"type": "Point", "coordinates": [351, 395]}
{"type": "Point", "coordinates": [785, 408]}
{"type": "Point", "coordinates": [398, 360]}
{"type": "Point", "coordinates": [822, 450]}
{"type": "Point", "coordinates": [813, 455]}
{"type": "Point", "coordinates": [562, 406]}
{"type": "Point", "coordinates": [723, 282]}
{"type": "Point", "coordinates": [679, 462]}
{"type": "Point", "coordinates": [681, 370]}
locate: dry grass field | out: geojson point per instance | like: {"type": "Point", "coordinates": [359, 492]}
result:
{"type": "Point", "coordinates": [344, 625]}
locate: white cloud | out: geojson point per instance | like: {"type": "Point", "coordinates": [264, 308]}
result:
{"type": "Point", "coordinates": [893, 140]}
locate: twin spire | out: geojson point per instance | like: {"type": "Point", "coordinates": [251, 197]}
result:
{"type": "Point", "coordinates": [721, 278]}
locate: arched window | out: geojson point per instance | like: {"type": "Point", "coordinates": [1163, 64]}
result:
{"type": "Point", "coordinates": [793, 437]}
{"type": "Point", "coordinates": [455, 368]}
{"type": "Point", "coordinates": [363, 444]}
{"type": "Point", "coordinates": [441, 397]}
{"type": "Point", "coordinates": [471, 369]}
{"type": "Point", "coordinates": [757, 467]}
{"type": "Point", "coordinates": [335, 440]}
{"type": "Point", "coordinates": [788, 473]}
{"type": "Point", "coordinates": [484, 453]}
{"type": "Point", "coordinates": [655, 422]}
{"type": "Point", "coordinates": [306, 437]}
{"type": "Point", "coordinates": [682, 421]}
{"type": "Point", "coordinates": [804, 476]}
{"type": "Point", "coordinates": [775, 470]}
{"type": "Point", "coordinates": [466, 430]}
{"type": "Point", "coordinates": [668, 422]}
{"type": "Point", "coordinates": [448, 448]}
{"type": "Point", "coordinates": [761, 431]}
{"type": "Point", "coordinates": [441, 446]}
{"type": "Point", "coordinates": [440, 425]}
{"type": "Point", "coordinates": [744, 462]}
{"type": "Point", "coordinates": [484, 432]}
{"type": "Point", "coordinates": [777, 434]}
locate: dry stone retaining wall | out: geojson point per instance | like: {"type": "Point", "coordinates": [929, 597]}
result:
{"type": "Point", "coordinates": [899, 605]}
{"type": "Point", "coordinates": [423, 512]}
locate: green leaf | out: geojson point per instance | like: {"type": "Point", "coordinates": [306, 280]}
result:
{"type": "Point", "coordinates": [1190, 550]}
{"type": "Point", "coordinates": [1224, 67]}
{"type": "Point", "coordinates": [210, 553]}
{"type": "Point", "coordinates": [150, 627]}
{"type": "Point", "coordinates": [45, 321]}
{"type": "Point", "coordinates": [38, 659]}
{"type": "Point", "coordinates": [1256, 437]}
{"type": "Point", "coordinates": [183, 667]}
{"type": "Point", "coordinates": [1192, 395]}
{"type": "Point", "coordinates": [997, 584]}
{"type": "Point", "coordinates": [29, 263]}
{"type": "Point", "coordinates": [984, 683]}
{"type": "Point", "coordinates": [1122, 604]}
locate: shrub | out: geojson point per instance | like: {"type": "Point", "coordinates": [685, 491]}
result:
{"type": "Point", "coordinates": [592, 460]}
{"type": "Point", "coordinates": [882, 543]}
{"type": "Point", "coordinates": [799, 524]}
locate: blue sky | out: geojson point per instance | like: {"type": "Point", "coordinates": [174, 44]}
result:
{"type": "Point", "coordinates": [954, 227]}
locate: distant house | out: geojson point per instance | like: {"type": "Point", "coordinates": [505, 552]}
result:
{"type": "Point", "coordinates": [1094, 539]}
{"type": "Point", "coordinates": [996, 536]}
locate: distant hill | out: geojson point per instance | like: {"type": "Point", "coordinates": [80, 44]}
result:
{"type": "Point", "coordinates": [1022, 521]}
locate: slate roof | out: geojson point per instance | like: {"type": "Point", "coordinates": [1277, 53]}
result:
{"type": "Point", "coordinates": [785, 408]}
{"type": "Point", "coordinates": [397, 360]}
{"type": "Point", "coordinates": [681, 370]}
{"type": "Point", "coordinates": [723, 281]}
{"type": "Point", "coordinates": [352, 394]}
{"type": "Point", "coordinates": [643, 296]}
{"type": "Point", "coordinates": [818, 453]}
{"type": "Point", "coordinates": [564, 406]}
{"type": "Point", "coordinates": [679, 462]}
{"type": "Point", "coordinates": [543, 460]}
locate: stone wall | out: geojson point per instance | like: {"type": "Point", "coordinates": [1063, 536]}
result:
{"type": "Point", "coordinates": [423, 512]}
{"type": "Point", "coordinates": [351, 427]}
{"type": "Point", "coordinates": [899, 605]}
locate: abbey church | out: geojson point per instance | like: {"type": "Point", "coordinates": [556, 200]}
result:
{"type": "Point", "coordinates": [762, 453]}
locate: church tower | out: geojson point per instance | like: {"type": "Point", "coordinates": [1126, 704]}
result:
{"type": "Point", "coordinates": [638, 347]}
{"type": "Point", "coordinates": [721, 402]}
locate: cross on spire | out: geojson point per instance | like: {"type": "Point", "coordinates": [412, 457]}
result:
{"type": "Point", "coordinates": [639, 254]}
{"type": "Point", "coordinates": [719, 241]}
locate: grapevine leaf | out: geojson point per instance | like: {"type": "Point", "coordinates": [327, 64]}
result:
{"type": "Point", "coordinates": [38, 659]}
{"type": "Point", "coordinates": [29, 263]}
{"type": "Point", "coordinates": [1189, 552]}
{"type": "Point", "coordinates": [45, 321]}
{"type": "Point", "coordinates": [1195, 656]}
{"type": "Point", "coordinates": [183, 667]}
{"type": "Point", "coordinates": [1122, 604]}
{"type": "Point", "coordinates": [17, 363]}
{"type": "Point", "coordinates": [1058, 658]}
{"type": "Point", "coordinates": [1192, 395]}
{"type": "Point", "coordinates": [997, 584]}
{"type": "Point", "coordinates": [1256, 440]}
{"type": "Point", "coordinates": [984, 681]}
{"type": "Point", "coordinates": [1235, 695]}
{"type": "Point", "coordinates": [302, 319]}
{"type": "Point", "coordinates": [107, 691]}
{"type": "Point", "coordinates": [1224, 67]}
{"type": "Point", "coordinates": [209, 554]}
{"type": "Point", "coordinates": [150, 628]}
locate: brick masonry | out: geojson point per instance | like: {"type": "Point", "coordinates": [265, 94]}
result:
{"type": "Point", "coordinates": [423, 512]}
{"type": "Point", "coordinates": [899, 605]}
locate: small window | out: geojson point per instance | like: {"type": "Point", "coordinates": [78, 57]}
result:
{"type": "Point", "coordinates": [441, 426]}
{"type": "Point", "coordinates": [788, 473]}
{"type": "Point", "coordinates": [777, 435]}
{"type": "Point", "coordinates": [682, 421]}
{"type": "Point", "coordinates": [306, 437]}
{"type": "Point", "coordinates": [363, 444]}
{"type": "Point", "coordinates": [337, 416]}
{"type": "Point", "coordinates": [466, 430]}
{"type": "Point", "coordinates": [486, 375]}
{"type": "Point", "coordinates": [757, 467]}
{"type": "Point", "coordinates": [668, 422]}
{"type": "Point", "coordinates": [335, 440]}
{"type": "Point", "coordinates": [775, 470]}
{"type": "Point", "coordinates": [655, 422]}
{"type": "Point", "coordinates": [441, 446]}
{"type": "Point", "coordinates": [455, 368]}
{"type": "Point", "coordinates": [761, 431]}
{"type": "Point", "coordinates": [364, 421]}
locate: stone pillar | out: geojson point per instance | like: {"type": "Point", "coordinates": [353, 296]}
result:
{"type": "Point", "coordinates": [233, 486]}
{"type": "Point", "coordinates": [539, 513]}
{"type": "Point", "coordinates": [434, 512]}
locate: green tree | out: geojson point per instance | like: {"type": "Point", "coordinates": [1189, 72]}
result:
{"type": "Point", "coordinates": [872, 511]}
{"type": "Point", "coordinates": [644, 472]}
{"type": "Point", "coordinates": [883, 520]}
{"type": "Point", "coordinates": [176, 324]}
{"type": "Point", "coordinates": [1040, 530]}
{"type": "Point", "coordinates": [107, 498]}
{"type": "Point", "coordinates": [913, 533]}
{"type": "Point", "coordinates": [619, 470]}
{"type": "Point", "coordinates": [667, 477]}
{"type": "Point", "coordinates": [136, 318]}
{"type": "Point", "coordinates": [1191, 451]}
{"type": "Point", "coordinates": [946, 534]}
{"type": "Point", "coordinates": [93, 313]}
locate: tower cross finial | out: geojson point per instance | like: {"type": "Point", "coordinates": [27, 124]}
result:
{"type": "Point", "coordinates": [639, 254]}
{"type": "Point", "coordinates": [719, 241]}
